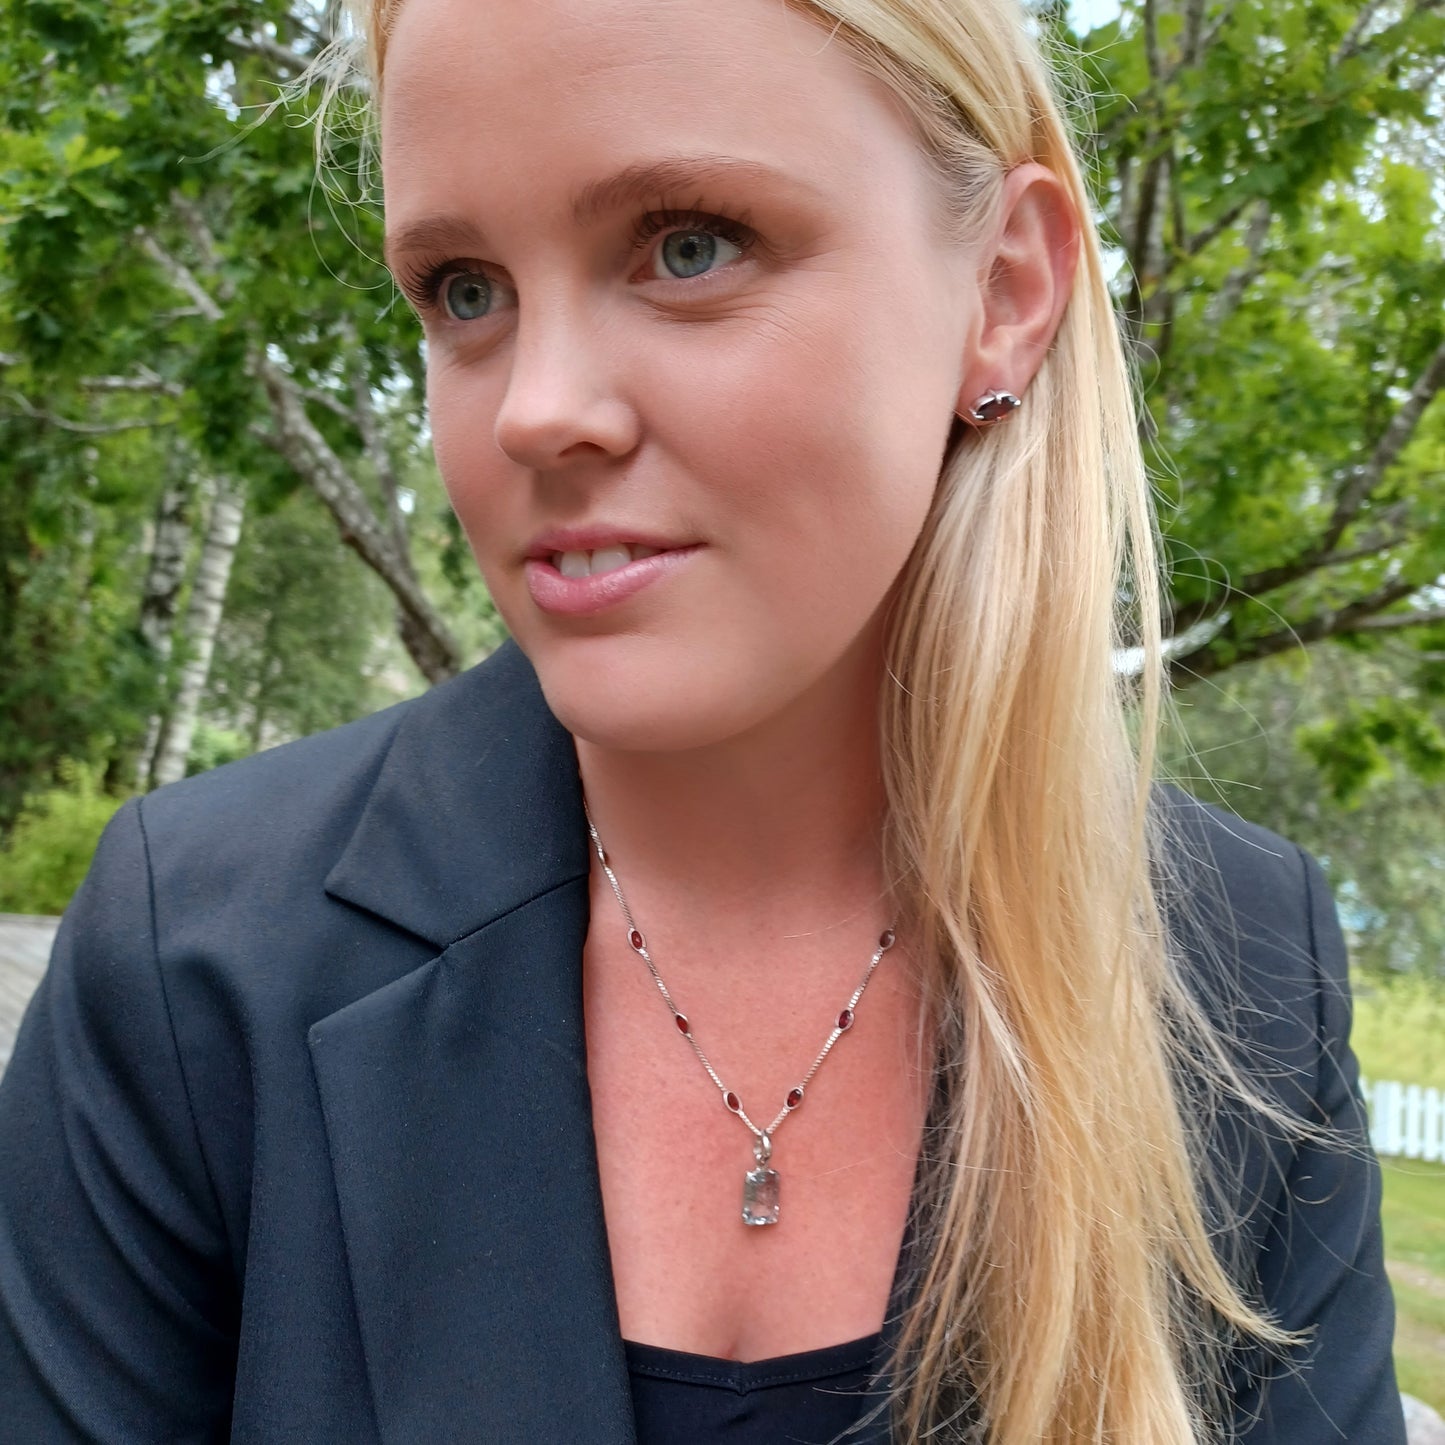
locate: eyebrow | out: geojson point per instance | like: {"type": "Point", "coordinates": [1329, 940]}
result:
{"type": "Point", "coordinates": [648, 179]}
{"type": "Point", "coordinates": [642, 181]}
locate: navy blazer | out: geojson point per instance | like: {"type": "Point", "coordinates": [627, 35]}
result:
{"type": "Point", "coordinates": [296, 1142]}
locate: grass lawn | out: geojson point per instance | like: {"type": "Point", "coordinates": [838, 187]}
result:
{"type": "Point", "coordinates": [1414, 1215]}
{"type": "Point", "coordinates": [1398, 1029]}
{"type": "Point", "coordinates": [1397, 1035]}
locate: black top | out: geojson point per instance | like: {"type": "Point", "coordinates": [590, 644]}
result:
{"type": "Point", "coordinates": [804, 1399]}
{"type": "Point", "coordinates": [296, 1141]}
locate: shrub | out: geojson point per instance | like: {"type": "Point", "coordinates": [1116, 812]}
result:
{"type": "Point", "coordinates": [52, 841]}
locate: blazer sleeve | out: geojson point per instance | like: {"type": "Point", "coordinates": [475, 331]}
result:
{"type": "Point", "coordinates": [1322, 1269]}
{"type": "Point", "coordinates": [117, 1298]}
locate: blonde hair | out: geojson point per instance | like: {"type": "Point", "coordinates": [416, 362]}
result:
{"type": "Point", "coordinates": [1068, 1288]}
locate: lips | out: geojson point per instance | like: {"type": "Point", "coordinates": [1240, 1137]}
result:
{"type": "Point", "coordinates": [577, 581]}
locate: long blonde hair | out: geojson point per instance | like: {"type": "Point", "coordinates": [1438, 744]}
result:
{"type": "Point", "coordinates": [1068, 1289]}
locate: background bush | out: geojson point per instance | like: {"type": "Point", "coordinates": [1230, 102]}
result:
{"type": "Point", "coordinates": [51, 842]}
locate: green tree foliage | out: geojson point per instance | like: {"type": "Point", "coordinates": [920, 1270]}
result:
{"type": "Point", "coordinates": [1238, 742]}
{"type": "Point", "coordinates": [73, 674]}
{"type": "Point", "coordinates": [50, 846]}
{"type": "Point", "coordinates": [178, 296]}
{"type": "Point", "coordinates": [1271, 171]}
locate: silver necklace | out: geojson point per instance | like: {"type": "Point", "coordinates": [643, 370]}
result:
{"type": "Point", "coordinates": [761, 1183]}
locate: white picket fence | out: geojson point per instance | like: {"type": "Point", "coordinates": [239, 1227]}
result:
{"type": "Point", "coordinates": [1405, 1119]}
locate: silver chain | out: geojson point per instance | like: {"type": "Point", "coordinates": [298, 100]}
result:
{"type": "Point", "coordinates": [731, 1101]}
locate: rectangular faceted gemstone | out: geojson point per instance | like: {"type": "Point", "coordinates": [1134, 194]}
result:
{"type": "Point", "coordinates": [760, 1196]}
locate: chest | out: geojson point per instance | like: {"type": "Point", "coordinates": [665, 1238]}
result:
{"type": "Point", "coordinates": [689, 1274]}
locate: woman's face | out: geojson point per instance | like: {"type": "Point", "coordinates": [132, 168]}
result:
{"type": "Point", "coordinates": [694, 343]}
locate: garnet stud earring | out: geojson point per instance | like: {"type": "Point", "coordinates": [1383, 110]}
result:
{"type": "Point", "coordinates": [991, 407]}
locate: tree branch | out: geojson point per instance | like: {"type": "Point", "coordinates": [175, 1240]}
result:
{"type": "Point", "coordinates": [297, 440]}
{"type": "Point", "coordinates": [1140, 242]}
{"type": "Point", "coordinates": [265, 48]}
{"type": "Point", "coordinates": [332, 403]}
{"type": "Point", "coordinates": [84, 428]}
{"type": "Point", "coordinates": [1394, 621]}
{"type": "Point", "coordinates": [180, 275]}
{"type": "Point", "coordinates": [1359, 483]}
{"type": "Point", "coordinates": [1208, 658]}
{"type": "Point", "coordinates": [1354, 37]}
{"type": "Point", "coordinates": [1363, 479]}
{"type": "Point", "coordinates": [374, 443]}
{"type": "Point", "coordinates": [1192, 49]}
{"type": "Point", "coordinates": [146, 380]}
{"type": "Point", "coordinates": [1220, 224]}
{"type": "Point", "coordinates": [1152, 54]}
{"type": "Point", "coordinates": [204, 242]}
{"type": "Point", "coordinates": [1190, 55]}
{"type": "Point", "coordinates": [1225, 302]}
{"type": "Point", "coordinates": [1384, 543]}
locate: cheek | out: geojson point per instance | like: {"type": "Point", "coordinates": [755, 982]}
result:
{"type": "Point", "coordinates": [462, 409]}
{"type": "Point", "coordinates": [821, 444]}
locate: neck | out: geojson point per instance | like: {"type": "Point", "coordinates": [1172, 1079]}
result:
{"type": "Point", "coordinates": [783, 822]}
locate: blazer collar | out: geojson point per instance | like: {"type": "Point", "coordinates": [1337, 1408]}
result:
{"type": "Point", "coordinates": [477, 807]}
{"type": "Point", "coordinates": [455, 1099]}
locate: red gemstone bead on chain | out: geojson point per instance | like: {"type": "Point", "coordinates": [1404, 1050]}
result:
{"type": "Point", "coordinates": [795, 1097]}
{"type": "Point", "coordinates": [887, 940]}
{"type": "Point", "coordinates": [845, 1020]}
{"type": "Point", "coordinates": [683, 1027]}
{"type": "Point", "coordinates": [636, 939]}
{"type": "Point", "coordinates": [732, 1101]}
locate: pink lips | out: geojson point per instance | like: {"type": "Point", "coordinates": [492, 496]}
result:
{"type": "Point", "coordinates": [587, 596]}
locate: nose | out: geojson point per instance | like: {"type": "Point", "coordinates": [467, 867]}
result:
{"type": "Point", "coordinates": [562, 402]}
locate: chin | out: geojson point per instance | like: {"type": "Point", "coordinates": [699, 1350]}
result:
{"type": "Point", "coordinates": [644, 696]}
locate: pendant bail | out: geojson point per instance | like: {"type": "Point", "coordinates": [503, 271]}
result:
{"type": "Point", "coordinates": [763, 1149]}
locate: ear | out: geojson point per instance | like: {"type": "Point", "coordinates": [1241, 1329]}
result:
{"type": "Point", "coordinates": [1026, 276]}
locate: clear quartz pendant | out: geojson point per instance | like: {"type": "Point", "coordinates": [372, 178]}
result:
{"type": "Point", "coordinates": [760, 1186]}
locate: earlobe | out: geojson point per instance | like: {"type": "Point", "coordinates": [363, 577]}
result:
{"type": "Point", "coordinates": [1028, 277]}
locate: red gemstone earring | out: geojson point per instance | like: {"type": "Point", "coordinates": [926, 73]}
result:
{"type": "Point", "coordinates": [991, 407]}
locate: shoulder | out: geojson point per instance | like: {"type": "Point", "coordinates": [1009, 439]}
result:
{"type": "Point", "coordinates": [1259, 939]}
{"type": "Point", "coordinates": [1260, 874]}
{"type": "Point", "coordinates": [270, 827]}
{"type": "Point", "coordinates": [271, 891]}
{"type": "Point", "coordinates": [1240, 883]}
{"type": "Point", "coordinates": [279, 794]}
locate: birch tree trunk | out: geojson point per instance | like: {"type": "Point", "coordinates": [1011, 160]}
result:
{"type": "Point", "coordinates": [160, 598]}
{"type": "Point", "coordinates": [203, 620]}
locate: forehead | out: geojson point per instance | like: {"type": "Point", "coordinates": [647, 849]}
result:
{"type": "Point", "coordinates": [515, 100]}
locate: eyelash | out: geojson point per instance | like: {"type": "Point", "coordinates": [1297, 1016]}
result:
{"type": "Point", "coordinates": [654, 223]}
{"type": "Point", "coordinates": [423, 284]}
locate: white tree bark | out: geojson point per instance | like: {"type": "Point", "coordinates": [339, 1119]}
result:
{"type": "Point", "coordinates": [203, 621]}
{"type": "Point", "coordinates": [160, 598]}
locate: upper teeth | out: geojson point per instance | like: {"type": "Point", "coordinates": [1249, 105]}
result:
{"type": "Point", "coordinates": [604, 559]}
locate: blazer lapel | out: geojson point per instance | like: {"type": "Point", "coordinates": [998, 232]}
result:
{"type": "Point", "coordinates": [455, 1099]}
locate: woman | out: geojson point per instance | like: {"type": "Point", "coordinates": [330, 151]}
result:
{"type": "Point", "coordinates": [649, 1036]}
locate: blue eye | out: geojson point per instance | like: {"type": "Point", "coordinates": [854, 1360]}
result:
{"type": "Point", "coordinates": [467, 296]}
{"type": "Point", "coordinates": [692, 253]}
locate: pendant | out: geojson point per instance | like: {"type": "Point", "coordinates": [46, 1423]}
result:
{"type": "Point", "coordinates": [760, 1186]}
